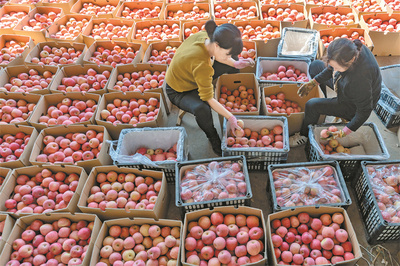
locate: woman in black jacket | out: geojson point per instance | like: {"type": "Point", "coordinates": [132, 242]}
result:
{"type": "Point", "coordinates": [355, 76]}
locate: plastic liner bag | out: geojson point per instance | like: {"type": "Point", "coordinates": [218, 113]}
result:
{"type": "Point", "coordinates": [130, 140]}
{"type": "Point", "coordinates": [385, 182]}
{"type": "Point", "coordinates": [365, 144]}
{"type": "Point", "coordinates": [213, 181]}
{"type": "Point", "coordinates": [303, 186]}
{"type": "Point", "coordinates": [390, 78]}
{"type": "Point", "coordinates": [298, 42]}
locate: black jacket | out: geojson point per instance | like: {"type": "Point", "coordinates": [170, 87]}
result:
{"type": "Point", "coordinates": [359, 87]}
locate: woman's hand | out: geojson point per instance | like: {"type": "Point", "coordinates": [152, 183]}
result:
{"type": "Point", "coordinates": [307, 87]}
{"type": "Point", "coordinates": [244, 62]}
{"type": "Point", "coordinates": [233, 124]}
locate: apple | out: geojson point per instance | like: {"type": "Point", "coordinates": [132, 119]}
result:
{"type": "Point", "coordinates": [140, 13]}
{"type": "Point", "coordinates": [259, 33]}
{"type": "Point", "coordinates": [160, 32]}
{"type": "Point", "coordinates": [11, 49]}
{"type": "Point", "coordinates": [93, 9]}
{"type": "Point", "coordinates": [195, 14]}
{"type": "Point", "coordinates": [118, 55]}
{"type": "Point", "coordinates": [162, 56]}
{"type": "Point", "coordinates": [55, 56]}
{"type": "Point", "coordinates": [280, 14]}
{"type": "Point", "coordinates": [238, 13]}
{"type": "Point", "coordinates": [41, 21]}
{"type": "Point", "coordinates": [71, 30]}
{"type": "Point", "coordinates": [11, 19]}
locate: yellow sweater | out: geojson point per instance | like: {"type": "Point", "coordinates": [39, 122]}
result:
{"type": "Point", "coordinates": [191, 67]}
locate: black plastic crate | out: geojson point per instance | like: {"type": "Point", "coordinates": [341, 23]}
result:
{"type": "Point", "coordinates": [240, 201]}
{"type": "Point", "coordinates": [390, 76]}
{"type": "Point", "coordinates": [378, 230]}
{"type": "Point", "coordinates": [346, 200]}
{"type": "Point", "coordinates": [388, 116]}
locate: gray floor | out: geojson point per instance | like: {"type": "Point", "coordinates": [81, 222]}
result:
{"type": "Point", "coordinates": [199, 148]}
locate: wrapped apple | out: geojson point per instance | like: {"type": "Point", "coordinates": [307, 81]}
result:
{"type": "Point", "coordinates": [12, 146]}
{"type": "Point", "coordinates": [241, 99]}
{"type": "Point", "coordinates": [279, 104]}
{"type": "Point", "coordinates": [286, 73]}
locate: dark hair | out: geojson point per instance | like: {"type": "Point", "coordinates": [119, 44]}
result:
{"type": "Point", "coordinates": [342, 50]}
{"type": "Point", "coordinates": [227, 36]}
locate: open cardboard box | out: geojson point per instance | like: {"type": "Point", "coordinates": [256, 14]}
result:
{"type": "Point", "coordinates": [114, 130]}
{"type": "Point", "coordinates": [188, 25]}
{"type": "Point", "coordinates": [235, 5]}
{"type": "Point", "coordinates": [331, 9]}
{"type": "Point", "coordinates": [76, 70]}
{"type": "Point", "coordinates": [28, 97]}
{"type": "Point", "coordinates": [29, 3]}
{"type": "Point", "coordinates": [233, 81]}
{"type": "Point", "coordinates": [14, 71]}
{"type": "Point", "coordinates": [8, 188]}
{"type": "Point", "coordinates": [8, 226]}
{"type": "Point", "coordinates": [317, 212]}
{"type": "Point", "coordinates": [4, 174]}
{"type": "Point", "coordinates": [76, 8]}
{"type": "Point", "coordinates": [22, 223]}
{"type": "Point", "coordinates": [140, 25]}
{"type": "Point", "coordinates": [195, 215]}
{"type": "Point", "coordinates": [385, 43]}
{"type": "Point", "coordinates": [380, 3]}
{"type": "Point", "coordinates": [13, 129]}
{"type": "Point", "coordinates": [160, 207]}
{"type": "Point", "coordinates": [310, 4]}
{"type": "Point", "coordinates": [140, 5]}
{"type": "Point", "coordinates": [300, 8]}
{"type": "Point", "coordinates": [19, 59]}
{"type": "Point", "coordinates": [55, 27]}
{"type": "Point", "coordinates": [159, 46]}
{"type": "Point", "coordinates": [187, 7]}
{"type": "Point", "coordinates": [295, 120]}
{"type": "Point", "coordinates": [102, 159]}
{"type": "Point", "coordinates": [65, 5]}
{"type": "Point", "coordinates": [56, 98]}
{"type": "Point", "coordinates": [6, 9]}
{"type": "Point", "coordinates": [126, 222]}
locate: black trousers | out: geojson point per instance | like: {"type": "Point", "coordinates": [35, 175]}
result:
{"type": "Point", "coordinates": [317, 67]}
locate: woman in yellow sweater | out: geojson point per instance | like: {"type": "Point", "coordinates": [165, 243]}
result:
{"type": "Point", "coordinates": [201, 58]}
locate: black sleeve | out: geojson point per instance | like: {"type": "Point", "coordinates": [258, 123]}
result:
{"type": "Point", "coordinates": [325, 75]}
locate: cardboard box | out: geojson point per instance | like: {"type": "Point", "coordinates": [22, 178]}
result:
{"type": "Point", "coordinates": [102, 159]}
{"type": "Point", "coordinates": [235, 5]}
{"type": "Point", "coordinates": [250, 45]}
{"type": "Point", "coordinates": [285, 24]}
{"type": "Point", "coordinates": [77, 7]}
{"type": "Point", "coordinates": [103, 233]}
{"type": "Point", "coordinates": [233, 81]}
{"type": "Point", "coordinates": [31, 171]}
{"type": "Point", "coordinates": [22, 223]}
{"type": "Point", "coordinates": [159, 46]}
{"type": "Point", "coordinates": [331, 9]}
{"type": "Point", "coordinates": [65, 5]}
{"type": "Point", "coordinates": [295, 120]}
{"type": "Point", "coordinates": [188, 25]}
{"type": "Point", "coordinates": [140, 25]}
{"type": "Point", "coordinates": [140, 6]}
{"type": "Point", "coordinates": [114, 130]}
{"type": "Point", "coordinates": [380, 3]}
{"type": "Point", "coordinates": [19, 60]}
{"type": "Point", "coordinates": [12, 8]}
{"type": "Point", "coordinates": [160, 207]}
{"type": "Point", "coordinates": [14, 71]}
{"type": "Point", "coordinates": [385, 43]}
{"type": "Point", "coordinates": [8, 226]}
{"type": "Point", "coordinates": [55, 27]}
{"type": "Point", "coordinates": [37, 36]}
{"type": "Point", "coordinates": [72, 70]}
{"type": "Point", "coordinates": [39, 47]}
{"type": "Point", "coordinates": [31, 4]}
{"type": "Point", "coordinates": [194, 216]}
{"type": "Point", "coordinates": [56, 98]}
{"type": "Point", "coordinates": [110, 45]}
{"type": "Point", "coordinates": [29, 98]}
{"type": "Point", "coordinates": [24, 158]}
{"type": "Point", "coordinates": [187, 7]}
{"type": "Point", "coordinates": [317, 212]}
{"type": "Point", "coordinates": [4, 174]}
{"type": "Point", "coordinates": [310, 4]}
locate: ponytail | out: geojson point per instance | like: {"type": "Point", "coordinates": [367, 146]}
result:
{"type": "Point", "coordinates": [210, 27]}
{"type": "Point", "coordinates": [358, 44]}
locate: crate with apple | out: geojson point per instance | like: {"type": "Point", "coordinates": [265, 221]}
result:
{"type": "Point", "coordinates": [68, 28]}
{"type": "Point", "coordinates": [140, 10]}
{"type": "Point", "coordinates": [17, 107]}
{"type": "Point", "coordinates": [14, 49]}
{"type": "Point", "coordinates": [187, 12]}
{"type": "Point", "coordinates": [96, 9]}
{"type": "Point", "coordinates": [259, 31]}
{"type": "Point", "coordinates": [10, 16]}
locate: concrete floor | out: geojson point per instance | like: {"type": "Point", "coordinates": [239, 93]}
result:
{"type": "Point", "coordinates": [200, 148]}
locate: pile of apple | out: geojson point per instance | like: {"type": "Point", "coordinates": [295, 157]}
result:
{"type": "Point", "coordinates": [326, 2]}
{"type": "Point", "coordinates": [89, 82]}
{"type": "Point", "coordinates": [139, 81]}
{"type": "Point", "coordinates": [44, 192]}
{"type": "Point", "coordinates": [68, 112]}
{"type": "Point", "coordinates": [118, 190]}
{"type": "Point", "coordinates": [302, 186]}
{"type": "Point", "coordinates": [391, 25]}
{"type": "Point", "coordinates": [366, 5]}
{"type": "Point", "coordinates": [333, 146]}
{"type": "Point", "coordinates": [279, 104]}
{"type": "Point", "coordinates": [131, 112]}
{"type": "Point", "coordinates": [327, 39]}
{"type": "Point", "coordinates": [182, 1]}
{"type": "Point", "coordinates": [56, 1]}
{"type": "Point", "coordinates": [286, 73]}
{"type": "Point", "coordinates": [238, 13]}
{"type": "Point", "coordinates": [194, 29]}
{"type": "Point", "coordinates": [303, 240]}
{"type": "Point", "coordinates": [195, 14]}
{"type": "Point", "coordinates": [55, 56]}
{"type": "Point", "coordinates": [140, 13]}
{"type": "Point", "coordinates": [140, 245]}
{"type": "Point", "coordinates": [108, 31]}
{"type": "Point", "coordinates": [385, 180]}
{"type": "Point", "coordinates": [281, 14]}
{"type": "Point", "coordinates": [158, 33]}
{"type": "Point", "coordinates": [15, 111]}
{"type": "Point", "coordinates": [10, 20]}
{"type": "Point", "coordinates": [41, 21]}
{"type": "Point", "coordinates": [241, 99]}
{"type": "Point", "coordinates": [72, 148]}
{"type": "Point", "coordinates": [334, 19]}
{"type": "Point", "coordinates": [44, 243]}
{"type": "Point", "coordinates": [245, 138]}
{"type": "Point", "coordinates": [96, 10]}
{"type": "Point", "coordinates": [157, 155]}
{"type": "Point", "coordinates": [162, 57]}
{"type": "Point", "coordinates": [259, 33]}
{"type": "Point", "coordinates": [71, 29]}
{"type": "Point", "coordinates": [12, 146]}
{"type": "Point", "coordinates": [225, 239]}
{"type": "Point", "coordinates": [30, 2]}
{"type": "Point", "coordinates": [28, 82]}
{"type": "Point", "coordinates": [248, 53]}
{"type": "Point", "coordinates": [118, 55]}
{"type": "Point", "coordinates": [393, 4]}
{"type": "Point", "coordinates": [11, 50]}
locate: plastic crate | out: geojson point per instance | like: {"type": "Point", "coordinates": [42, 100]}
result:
{"type": "Point", "coordinates": [298, 42]}
{"type": "Point", "coordinates": [258, 158]}
{"type": "Point", "coordinates": [390, 80]}
{"type": "Point", "coordinates": [386, 114]}
{"type": "Point", "coordinates": [349, 164]}
{"type": "Point", "coordinates": [163, 137]}
{"type": "Point", "coordinates": [240, 201]}
{"type": "Point", "coordinates": [346, 200]}
{"type": "Point", "coordinates": [377, 229]}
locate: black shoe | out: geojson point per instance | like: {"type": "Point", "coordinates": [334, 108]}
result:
{"type": "Point", "coordinates": [216, 145]}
